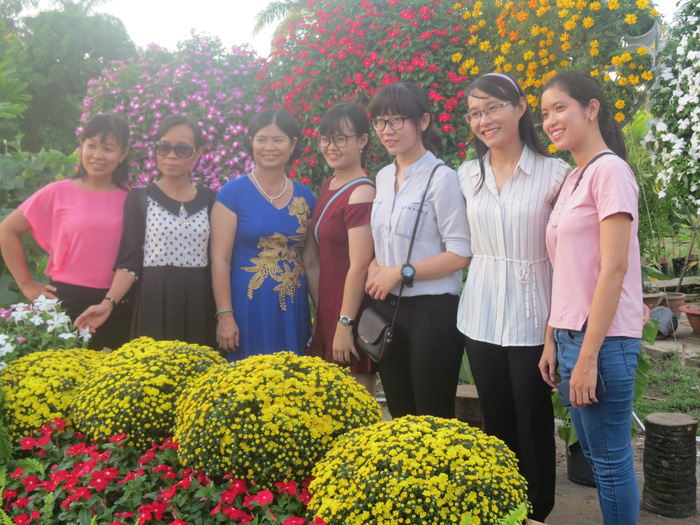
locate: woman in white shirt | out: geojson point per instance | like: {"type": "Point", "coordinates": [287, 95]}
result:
{"type": "Point", "coordinates": [510, 190]}
{"type": "Point", "coordinates": [421, 371]}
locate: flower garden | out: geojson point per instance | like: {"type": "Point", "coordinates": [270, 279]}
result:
{"type": "Point", "coordinates": [160, 432]}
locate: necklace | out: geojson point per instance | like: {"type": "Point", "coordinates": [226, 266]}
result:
{"type": "Point", "coordinates": [186, 222]}
{"type": "Point", "coordinates": [271, 199]}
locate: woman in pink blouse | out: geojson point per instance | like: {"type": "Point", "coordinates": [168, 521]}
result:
{"type": "Point", "coordinates": [596, 319]}
{"type": "Point", "coordinates": [78, 221]}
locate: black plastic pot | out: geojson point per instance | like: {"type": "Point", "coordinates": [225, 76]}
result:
{"type": "Point", "coordinates": [578, 469]}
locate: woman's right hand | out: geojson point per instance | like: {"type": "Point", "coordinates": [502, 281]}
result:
{"type": "Point", "coordinates": [548, 362]}
{"type": "Point", "coordinates": [93, 317]}
{"type": "Point", "coordinates": [227, 333]}
{"type": "Point", "coordinates": [32, 290]}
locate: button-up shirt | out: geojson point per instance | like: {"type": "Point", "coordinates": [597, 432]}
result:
{"type": "Point", "coordinates": [506, 299]}
{"type": "Point", "coordinates": [442, 226]}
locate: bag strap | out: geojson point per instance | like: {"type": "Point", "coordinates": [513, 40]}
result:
{"type": "Point", "coordinates": [410, 246]}
{"type": "Point", "coordinates": [341, 190]}
{"type": "Point", "coordinates": [578, 181]}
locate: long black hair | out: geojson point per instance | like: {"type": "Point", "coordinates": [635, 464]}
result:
{"type": "Point", "coordinates": [353, 116]}
{"type": "Point", "coordinates": [410, 100]}
{"type": "Point", "coordinates": [504, 88]}
{"type": "Point", "coordinates": [281, 118]}
{"type": "Point", "coordinates": [107, 125]}
{"type": "Point", "coordinates": [583, 88]}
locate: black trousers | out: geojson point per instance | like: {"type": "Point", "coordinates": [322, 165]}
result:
{"type": "Point", "coordinates": [516, 405]}
{"type": "Point", "coordinates": [115, 330]}
{"type": "Point", "coordinates": [421, 371]}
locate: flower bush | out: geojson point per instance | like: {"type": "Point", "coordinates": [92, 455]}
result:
{"type": "Point", "coordinates": [41, 386]}
{"type": "Point", "coordinates": [416, 469]}
{"type": "Point", "coordinates": [70, 479]}
{"type": "Point", "coordinates": [26, 328]}
{"type": "Point", "coordinates": [269, 417]}
{"type": "Point", "coordinates": [674, 132]}
{"type": "Point", "coordinates": [346, 51]}
{"type": "Point", "coordinates": [201, 79]}
{"type": "Point", "coordinates": [532, 40]}
{"type": "Point", "coordinates": [135, 389]}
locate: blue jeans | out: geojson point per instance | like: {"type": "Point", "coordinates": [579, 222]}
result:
{"type": "Point", "coordinates": [603, 428]}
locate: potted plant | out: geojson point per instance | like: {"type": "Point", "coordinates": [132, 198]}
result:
{"type": "Point", "coordinates": [651, 294]}
{"type": "Point", "coordinates": [692, 312]}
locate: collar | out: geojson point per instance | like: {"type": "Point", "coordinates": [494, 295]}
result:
{"type": "Point", "coordinates": [200, 200]}
{"type": "Point", "coordinates": [526, 163]}
{"type": "Point", "coordinates": [426, 162]}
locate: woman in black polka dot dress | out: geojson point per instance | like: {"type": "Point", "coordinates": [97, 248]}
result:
{"type": "Point", "coordinates": [165, 247]}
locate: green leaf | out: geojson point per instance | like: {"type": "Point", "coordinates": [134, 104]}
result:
{"type": "Point", "coordinates": [465, 371]}
{"type": "Point", "coordinates": [649, 331]}
{"type": "Point", "coordinates": [85, 516]}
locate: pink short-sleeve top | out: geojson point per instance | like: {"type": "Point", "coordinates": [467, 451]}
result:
{"type": "Point", "coordinates": [80, 229]}
{"type": "Point", "coordinates": [573, 242]}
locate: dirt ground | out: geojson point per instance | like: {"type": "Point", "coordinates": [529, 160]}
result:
{"type": "Point", "coordinates": [578, 504]}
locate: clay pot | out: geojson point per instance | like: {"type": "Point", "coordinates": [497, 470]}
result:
{"type": "Point", "coordinates": [652, 300]}
{"type": "Point", "coordinates": [578, 469]}
{"type": "Point", "coordinates": [673, 301]}
{"type": "Point", "coordinates": [692, 312]}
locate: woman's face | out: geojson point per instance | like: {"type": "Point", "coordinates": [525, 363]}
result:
{"type": "Point", "coordinates": [405, 141]}
{"type": "Point", "coordinates": [176, 152]}
{"type": "Point", "coordinates": [348, 157]}
{"type": "Point", "coordinates": [566, 123]}
{"type": "Point", "coordinates": [100, 155]}
{"type": "Point", "coordinates": [272, 148]}
{"type": "Point", "coordinates": [498, 129]}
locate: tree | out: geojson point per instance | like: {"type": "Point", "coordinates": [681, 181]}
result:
{"type": "Point", "coordinates": [58, 54]}
{"type": "Point", "coordinates": [282, 12]}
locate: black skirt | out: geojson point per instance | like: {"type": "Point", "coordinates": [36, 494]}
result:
{"type": "Point", "coordinates": [175, 303]}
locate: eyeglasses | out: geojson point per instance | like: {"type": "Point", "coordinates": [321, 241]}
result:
{"type": "Point", "coordinates": [491, 111]}
{"type": "Point", "coordinates": [394, 123]}
{"type": "Point", "coordinates": [340, 141]}
{"type": "Point", "coordinates": [182, 151]}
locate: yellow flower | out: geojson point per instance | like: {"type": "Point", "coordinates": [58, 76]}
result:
{"type": "Point", "coordinates": [648, 76]}
{"type": "Point", "coordinates": [595, 73]}
{"type": "Point", "coordinates": [588, 22]}
{"type": "Point", "coordinates": [456, 57]}
{"type": "Point", "coordinates": [620, 104]}
{"type": "Point", "coordinates": [641, 50]}
{"type": "Point", "coordinates": [631, 19]}
{"type": "Point", "coordinates": [505, 47]}
{"type": "Point", "coordinates": [484, 45]}
{"type": "Point", "coordinates": [622, 81]}
{"type": "Point", "coordinates": [654, 12]}
{"type": "Point", "coordinates": [625, 57]}
{"type": "Point", "coordinates": [619, 117]}
{"type": "Point", "coordinates": [474, 70]}
{"type": "Point", "coordinates": [613, 5]}
{"type": "Point", "coordinates": [594, 6]}
{"type": "Point", "coordinates": [499, 60]}
{"type": "Point", "coordinates": [532, 100]}
{"type": "Point", "coordinates": [564, 63]}
{"type": "Point", "coordinates": [642, 4]}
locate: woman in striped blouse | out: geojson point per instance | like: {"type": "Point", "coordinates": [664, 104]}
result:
{"type": "Point", "coordinates": [510, 190]}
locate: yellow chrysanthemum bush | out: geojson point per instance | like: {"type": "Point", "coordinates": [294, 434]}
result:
{"type": "Point", "coordinates": [135, 389]}
{"type": "Point", "coordinates": [417, 470]}
{"type": "Point", "coordinates": [269, 417]}
{"type": "Point", "coordinates": [41, 386]}
{"type": "Point", "coordinates": [532, 40]}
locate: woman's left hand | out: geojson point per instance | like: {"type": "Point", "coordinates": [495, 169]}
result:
{"type": "Point", "coordinates": [582, 385]}
{"type": "Point", "coordinates": [383, 282]}
{"type": "Point", "coordinates": [344, 346]}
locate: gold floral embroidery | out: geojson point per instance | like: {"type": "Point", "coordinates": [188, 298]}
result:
{"type": "Point", "coordinates": [278, 261]}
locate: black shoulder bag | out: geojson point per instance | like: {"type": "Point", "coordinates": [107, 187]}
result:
{"type": "Point", "coordinates": [375, 331]}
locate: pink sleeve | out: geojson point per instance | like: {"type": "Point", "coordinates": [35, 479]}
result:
{"type": "Point", "coordinates": [614, 189]}
{"type": "Point", "coordinates": [38, 210]}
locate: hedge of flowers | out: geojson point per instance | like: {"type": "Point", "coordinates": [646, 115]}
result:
{"type": "Point", "coordinates": [269, 417]}
{"type": "Point", "coordinates": [70, 479]}
{"type": "Point", "coordinates": [26, 328]}
{"type": "Point", "coordinates": [42, 386]}
{"type": "Point", "coordinates": [201, 79]}
{"type": "Point", "coordinates": [135, 389]}
{"type": "Point", "coordinates": [532, 40]}
{"type": "Point", "coordinates": [416, 469]}
{"type": "Point", "coordinates": [674, 136]}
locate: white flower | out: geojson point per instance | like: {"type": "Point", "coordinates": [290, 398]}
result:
{"type": "Point", "coordinates": [85, 335]}
{"type": "Point", "coordinates": [6, 348]}
{"type": "Point", "coordinates": [20, 312]}
{"type": "Point", "coordinates": [36, 320]}
{"type": "Point", "coordinates": [44, 304]}
{"type": "Point", "coordinates": [66, 335]}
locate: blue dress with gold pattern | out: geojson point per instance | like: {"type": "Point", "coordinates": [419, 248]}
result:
{"type": "Point", "coordinates": [268, 283]}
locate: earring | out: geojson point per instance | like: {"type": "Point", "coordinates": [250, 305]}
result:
{"type": "Point", "coordinates": [591, 118]}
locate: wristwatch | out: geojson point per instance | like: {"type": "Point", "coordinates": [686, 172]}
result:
{"type": "Point", "coordinates": [345, 320]}
{"type": "Point", "coordinates": [408, 272]}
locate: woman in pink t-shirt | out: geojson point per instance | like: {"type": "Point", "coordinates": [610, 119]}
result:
{"type": "Point", "coordinates": [78, 221]}
{"type": "Point", "coordinates": [596, 319]}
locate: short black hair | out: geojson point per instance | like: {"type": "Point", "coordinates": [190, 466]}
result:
{"type": "Point", "coordinates": [281, 118]}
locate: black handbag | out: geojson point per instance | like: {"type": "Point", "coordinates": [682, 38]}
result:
{"type": "Point", "coordinates": [374, 330]}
